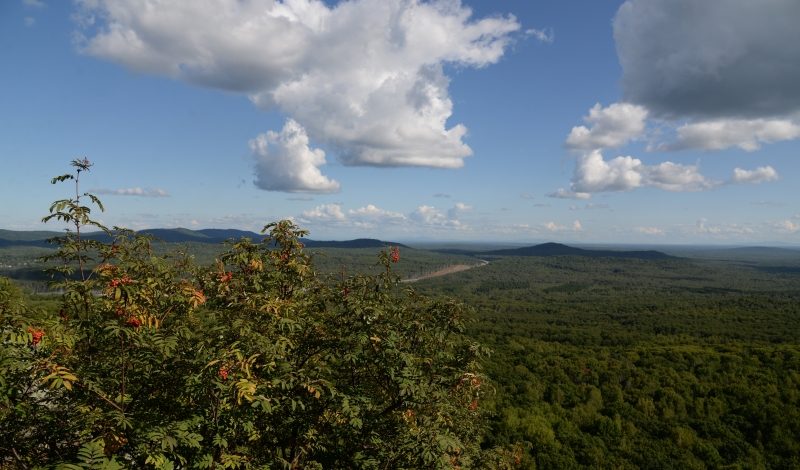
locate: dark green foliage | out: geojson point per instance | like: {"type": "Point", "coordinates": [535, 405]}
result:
{"type": "Point", "coordinates": [614, 363]}
{"type": "Point", "coordinates": [557, 249]}
{"type": "Point", "coordinates": [253, 362]}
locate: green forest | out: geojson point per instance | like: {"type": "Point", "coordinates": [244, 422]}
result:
{"type": "Point", "coordinates": [614, 363]}
{"type": "Point", "coordinates": [271, 355]}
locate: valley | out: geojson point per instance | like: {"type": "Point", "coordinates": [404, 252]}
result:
{"type": "Point", "coordinates": [609, 358]}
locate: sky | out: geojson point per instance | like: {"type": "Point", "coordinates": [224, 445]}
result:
{"type": "Point", "coordinates": [643, 121]}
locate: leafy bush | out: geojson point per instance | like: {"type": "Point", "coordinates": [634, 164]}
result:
{"type": "Point", "coordinates": [254, 362]}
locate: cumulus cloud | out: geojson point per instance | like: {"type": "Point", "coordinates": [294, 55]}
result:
{"type": "Point", "coordinates": [365, 77]}
{"type": "Point", "coordinates": [761, 174]}
{"type": "Point", "coordinates": [455, 211]}
{"type": "Point", "coordinates": [595, 174]}
{"type": "Point", "coordinates": [728, 67]}
{"type": "Point", "coordinates": [722, 230]}
{"type": "Point", "coordinates": [787, 226]}
{"type": "Point", "coordinates": [650, 230]}
{"type": "Point", "coordinates": [432, 217]}
{"type": "Point", "coordinates": [671, 176]}
{"type": "Point", "coordinates": [724, 58]}
{"type": "Point", "coordinates": [747, 134]}
{"type": "Point", "coordinates": [137, 191]}
{"type": "Point", "coordinates": [555, 227]}
{"type": "Point", "coordinates": [611, 127]}
{"type": "Point", "coordinates": [324, 213]}
{"type": "Point", "coordinates": [285, 162]}
{"type": "Point", "coordinates": [562, 193]}
{"type": "Point", "coordinates": [371, 216]}
{"type": "Point", "coordinates": [34, 3]}
{"type": "Point", "coordinates": [372, 211]}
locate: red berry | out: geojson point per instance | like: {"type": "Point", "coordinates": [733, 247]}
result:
{"type": "Point", "coordinates": [223, 373]}
{"type": "Point", "coordinates": [37, 335]}
{"type": "Point", "coordinates": [395, 254]}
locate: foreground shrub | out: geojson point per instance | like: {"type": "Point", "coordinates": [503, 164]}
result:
{"type": "Point", "coordinates": [254, 362]}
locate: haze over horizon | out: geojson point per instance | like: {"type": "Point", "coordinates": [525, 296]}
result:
{"type": "Point", "coordinates": [647, 122]}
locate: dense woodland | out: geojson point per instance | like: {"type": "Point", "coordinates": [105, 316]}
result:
{"type": "Point", "coordinates": [626, 363]}
{"type": "Point", "coordinates": [614, 363]}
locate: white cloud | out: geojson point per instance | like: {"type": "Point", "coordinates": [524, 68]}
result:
{"type": "Point", "coordinates": [285, 162]}
{"type": "Point", "coordinates": [324, 213]}
{"type": "Point", "coordinates": [364, 76]}
{"type": "Point", "coordinates": [29, 21]}
{"type": "Point", "coordinates": [34, 3]}
{"type": "Point", "coordinates": [761, 174]}
{"type": "Point", "coordinates": [611, 127]}
{"type": "Point", "coordinates": [543, 35]}
{"type": "Point", "coordinates": [588, 206]}
{"type": "Point", "coordinates": [718, 74]}
{"type": "Point", "coordinates": [747, 134]}
{"type": "Point", "coordinates": [594, 174]}
{"type": "Point", "coordinates": [458, 209]}
{"type": "Point", "coordinates": [432, 217]}
{"type": "Point", "coordinates": [562, 193]}
{"type": "Point", "coordinates": [372, 211]}
{"type": "Point", "coordinates": [671, 176]}
{"type": "Point", "coordinates": [554, 227]}
{"type": "Point", "coordinates": [137, 191]}
{"type": "Point", "coordinates": [788, 226]}
{"type": "Point", "coordinates": [722, 230]}
{"type": "Point", "coordinates": [650, 230]}
{"type": "Point", "coordinates": [371, 216]}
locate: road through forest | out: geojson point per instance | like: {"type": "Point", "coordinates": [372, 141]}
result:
{"type": "Point", "coordinates": [455, 268]}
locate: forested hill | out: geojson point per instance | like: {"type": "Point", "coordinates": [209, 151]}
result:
{"type": "Point", "coordinates": [9, 238]}
{"type": "Point", "coordinates": [558, 249]}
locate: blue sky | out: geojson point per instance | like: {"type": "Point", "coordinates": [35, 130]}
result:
{"type": "Point", "coordinates": [632, 122]}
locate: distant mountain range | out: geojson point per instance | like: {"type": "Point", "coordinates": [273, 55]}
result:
{"type": "Point", "coordinates": [10, 238]}
{"type": "Point", "coordinates": [557, 249]}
